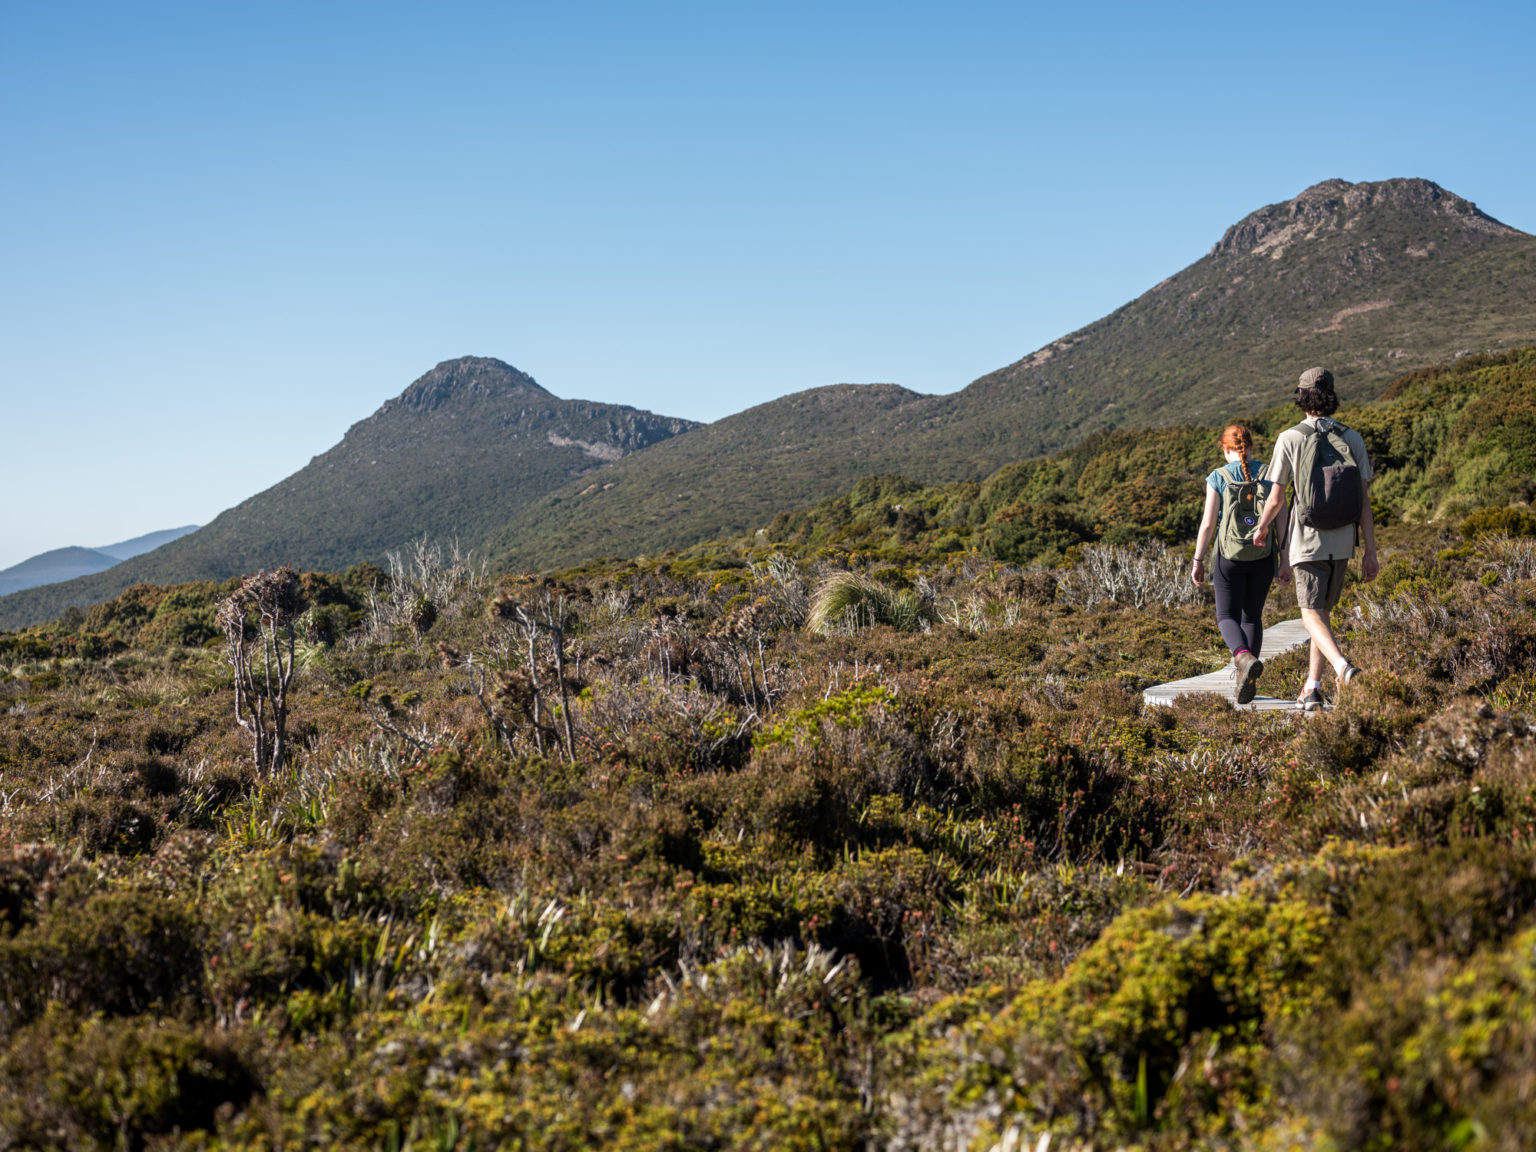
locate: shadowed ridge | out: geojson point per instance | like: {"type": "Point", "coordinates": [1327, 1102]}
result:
{"type": "Point", "coordinates": [723, 478]}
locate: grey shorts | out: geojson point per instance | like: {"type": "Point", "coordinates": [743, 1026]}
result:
{"type": "Point", "coordinates": [1320, 583]}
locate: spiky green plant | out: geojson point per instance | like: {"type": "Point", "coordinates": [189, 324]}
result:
{"type": "Point", "coordinates": [847, 602]}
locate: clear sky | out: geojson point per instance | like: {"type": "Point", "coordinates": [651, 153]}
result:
{"type": "Point", "coordinates": [231, 231]}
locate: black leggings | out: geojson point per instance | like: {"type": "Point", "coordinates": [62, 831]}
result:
{"type": "Point", "coordinates": [1242, 586]}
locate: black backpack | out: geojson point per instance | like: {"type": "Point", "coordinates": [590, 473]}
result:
{"type": "Point", "coordinates": [1329, 491]}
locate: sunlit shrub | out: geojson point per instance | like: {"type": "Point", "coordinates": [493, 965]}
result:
{"type": "Point", "coordinates": [1127, 1040]}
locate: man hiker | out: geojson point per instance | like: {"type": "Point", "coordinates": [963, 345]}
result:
{"type": "Point", "coordinates": [1331, 473]}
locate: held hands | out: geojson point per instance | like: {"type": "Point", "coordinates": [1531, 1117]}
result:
{"type": "Point", "coordinates": [1285, 574]}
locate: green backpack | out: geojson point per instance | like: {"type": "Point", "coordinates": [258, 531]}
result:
{"type": "Point", "coordinates": [1329, 491]}
{"type": "Point", "coordinates": [1242, 505]}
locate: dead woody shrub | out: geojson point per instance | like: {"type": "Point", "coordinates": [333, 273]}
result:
{"type": "Point", "coordinates": [734, 649]}
{"type": "Point", "coordinates": [423, 585]}
{"type": "Point", "coordinates": [259, 623]}
{"type": "Point", "coordinates": [1139, 575]}
{"type": "Point", "coordinates": [526, 694]}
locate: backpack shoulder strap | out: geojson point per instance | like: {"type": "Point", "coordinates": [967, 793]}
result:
{"type": "Point", "coordinates": [1337, 435]}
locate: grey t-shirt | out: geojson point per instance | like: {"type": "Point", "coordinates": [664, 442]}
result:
{"type": "Point", "coordinates": [1307, 543]}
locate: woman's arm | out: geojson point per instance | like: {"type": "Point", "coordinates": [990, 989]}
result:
{"type": "Point", "coordinates": [1207, 534]}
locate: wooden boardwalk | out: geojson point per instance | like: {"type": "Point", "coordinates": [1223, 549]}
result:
{"type": "Point", "coordinates": [1278, 638]}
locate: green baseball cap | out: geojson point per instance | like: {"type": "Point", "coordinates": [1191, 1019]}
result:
{"type": "Point", "coordinates": [1316, 378]}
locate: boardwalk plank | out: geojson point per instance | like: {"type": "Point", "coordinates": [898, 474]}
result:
{"type": "Point", "coordinates": [1278, 638]}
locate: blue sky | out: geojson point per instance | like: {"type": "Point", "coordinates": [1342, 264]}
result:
{"type": "Point", "coordinates": [230, 232]}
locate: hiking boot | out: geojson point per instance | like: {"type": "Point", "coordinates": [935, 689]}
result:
{"type": "Point", "coordinates": [1247, 670]}
{"type": "Point", "coordinates": [1349, 673]}
{"type": "Point", "coordinates": [1312, 701]}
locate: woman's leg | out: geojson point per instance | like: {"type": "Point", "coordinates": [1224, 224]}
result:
{"type": "Point", "coordinates": [1229, 606]}
{"type": "Point", "coordinates": [1254, 591]}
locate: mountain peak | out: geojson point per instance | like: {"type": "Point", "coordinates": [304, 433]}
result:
{"type": "Point", "coordinates": [466, 376]}
{"type": "Point", "coordinates": [1409, 206]}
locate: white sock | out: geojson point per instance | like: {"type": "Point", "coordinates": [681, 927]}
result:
{"type": "Point", "coordinates": [1339, 665]}
{"type": "Point", "coordinates": [1311, 686]}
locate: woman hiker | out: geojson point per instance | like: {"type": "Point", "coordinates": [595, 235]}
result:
{"type": "Point", "coordinates": [1234, 502]}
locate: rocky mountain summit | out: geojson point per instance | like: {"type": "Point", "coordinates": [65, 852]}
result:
{"type": "Point", "coordinates": [1339, 206]}
{"type": "Point", "coordinates": [462, 401]}
{"type": "Point", "coordinates": [1371, 279]}
{"type": "Point", "coordinates": [467, 377]}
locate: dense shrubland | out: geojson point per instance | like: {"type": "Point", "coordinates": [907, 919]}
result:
{"type": "Point", "coordinates": [1446, 441]}
{"type": "Point", "coordinates": [793, 846]}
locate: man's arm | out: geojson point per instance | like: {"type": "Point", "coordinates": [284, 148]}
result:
{"type": "Point", "coordinates": [1369, 565]}
{"type": "Point", "coordinates": [1272, 509]}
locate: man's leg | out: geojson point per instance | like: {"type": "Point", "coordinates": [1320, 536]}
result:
{"type": "Point", "coordinates": [1324, 646]}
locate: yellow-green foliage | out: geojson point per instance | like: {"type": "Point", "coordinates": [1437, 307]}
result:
{"type": "Point", "coordinates": [841, 710]}
{"type": "Point", "coordinates": [1456, 438]}
{"type": "Point", "coordinates": [1124, 1041]}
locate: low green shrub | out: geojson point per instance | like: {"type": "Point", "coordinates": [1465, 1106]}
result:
{"type": "Point", "coordinates": [81, 1083]}
{"type": "Point", "coordinates": [116, 951]}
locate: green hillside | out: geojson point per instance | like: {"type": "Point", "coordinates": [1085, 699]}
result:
{"type": "Point", "coordinates": [1446, 442]}
{"type": "Point", "coordinates": [450, 458]}
{"type": "Point", "coordinates": [724, 478]}
{"type": "Point", "coordinates": [1371, 279]}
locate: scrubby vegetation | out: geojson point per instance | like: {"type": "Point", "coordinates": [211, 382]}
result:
{"type": "Point", "coordinates": [1446, 441]}
{"type": "Point", "coordinates": [638, 856]}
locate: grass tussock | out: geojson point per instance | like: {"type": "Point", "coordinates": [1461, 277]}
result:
{"type": "Point", "coordinates": [849, 601]}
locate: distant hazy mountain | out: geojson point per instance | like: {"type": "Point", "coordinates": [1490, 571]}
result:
{"type": "Point", "coordinates": [50, 567]}
{"type": "Point", "coordinates": [1369, 279]}
{"type": "Point", "coordinates": [452, 457]}
{"type": "Point", "coordinates": [139, 545]}
{"type": "Point", "coordinates": [68, 563]}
